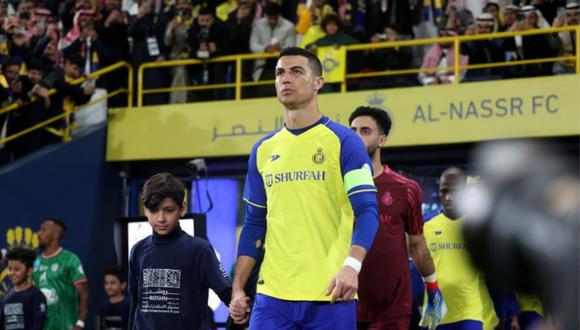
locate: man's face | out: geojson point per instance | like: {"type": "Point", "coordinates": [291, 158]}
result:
{"type": "Point", "coordinates": [492, 10]}
{"type": "Point", "coordinates": [183, 5]}
{"type": "Point", "coordinates": [366, 127]}
{"type": "Point", "coordinates": [51, 48]}
{"type": "Point", "coordinates": [25, 7]}
{"type": "Point", "coordinates": [510, 17]}
{"type": "Point", "coordinates": [113, 286]}
{"type": "Point", "coordinates": [3, 8]}
{"type": "Point", "coordinates": [573, 17]}
{"type": "Point", "coordinates": [331, 28]}
{"type": "Point", "coordinates": [205, 20]}
{"type": "Point", "coordinates": [48, 233]}
{"type": "Point", "coordinates": [272, 20]}
{"type": "Point", "coordinates": [532, 19]}
{"type": "Point", "coordinates": [483, 28]}
{"type": "Point", "coordinates": [35, 76]}
{"type": "Point", "coordinates": [296, 84]}
{"type": "Point", "coordinates": [18, 272]}
{"type": "Point", "coordinates": [166, 217]}
{"type": "Point", "coordinates": [11, 72]}
{"type": "Point", "coordinates": [111, 4]}
{"type": "Point", "coordinates": [72, 70]}
{"type": "Point", "coordinates": [447, 193]}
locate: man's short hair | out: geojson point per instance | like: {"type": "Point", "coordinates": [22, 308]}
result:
{"type": "Point", "coordinates": [272, 9]}
{"type": "Point", "coordinates": [76, 59]}
{"type": "Point", "coordinates": [379, 115]}
{"type": "Point", "coordinates": [161, 186]}
{"type": "Point", "coordinates": [116, 271]}
{"type": "Point", "coordinates": [313, 61]}
{"type": "Point", "coordinates": [22, 254]}
{"type": "Point", "coordinates": [207, 10]}
{"type": "Point", "coordinates": [36, 64]}
{"type": "Point", "coordinates": [60, 224]}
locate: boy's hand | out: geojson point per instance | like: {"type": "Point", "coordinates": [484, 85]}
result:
{"type": "Point", "coordinates": [240, 307]}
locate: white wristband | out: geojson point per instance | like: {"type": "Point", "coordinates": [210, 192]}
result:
{"type": "Point", "coordinates": [80, 324]}
{"type": "Point", "coordinates": [353, 263]}
{"type": "Point", "coordinates": [430, 279]}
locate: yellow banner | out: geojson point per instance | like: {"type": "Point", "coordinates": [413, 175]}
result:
{"type": "Point", "coordinates": [333, 60]}
{"type": "Point", "coordinates": [536, 107]}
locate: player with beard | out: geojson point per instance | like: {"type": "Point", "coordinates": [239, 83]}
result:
{"type": "Point", "coordinates": [385, 279]}
{"type": "Point", "coordinates": [59, 274]}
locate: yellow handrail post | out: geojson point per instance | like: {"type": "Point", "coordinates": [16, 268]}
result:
{"type": "Point", "coordinates": [140, 86]}
{"type": "Point", "coordinates": [67, 128]}
{"type": "Point", "coordinates": [456, 55]}
{"type": "Point", "coordinates": [130, 86]}
{"type": "Point", "coordinates": [238, 78]}
{"type": "Point", "coordinates": [577, 50]}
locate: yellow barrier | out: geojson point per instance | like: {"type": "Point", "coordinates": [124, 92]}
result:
{"type": "Point", "coordinates": [457, 40]}
{"type": "Point", "coordinates": [66, 115]}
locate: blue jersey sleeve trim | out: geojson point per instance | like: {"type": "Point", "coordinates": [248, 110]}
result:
{"type": "Point", "coordinates": [253, 232]}
{"type": "Point", "coordinates": [366, 211]}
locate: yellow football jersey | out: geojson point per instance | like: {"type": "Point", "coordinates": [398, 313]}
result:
{"type": "Point", "coordinates": [530, 303]}
{"type": "Point", "coordinates": [304, 181]}
{"type": "Point", "coordinates": [463, 287]}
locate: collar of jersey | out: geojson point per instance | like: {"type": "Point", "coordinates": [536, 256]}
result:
{"type": "Point", "coordinates": [52, 255]}
{"type": "Point", "coordinates": [323, 120]}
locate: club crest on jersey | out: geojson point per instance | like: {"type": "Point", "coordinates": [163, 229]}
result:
{"type": "Point", "coordinates": [387, 199]}
{"type": "Point", "coordinates": [318, 157]}
{"type": "Point", "coordinates": [433, 247]}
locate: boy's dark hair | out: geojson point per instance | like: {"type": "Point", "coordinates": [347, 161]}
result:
{"type": "Point", "coordinates": [75, 59]}
{"type": "Point", "coordinates": [22, 254]}
{"type": "Point", "coordinates": [379, 115]}
{"type": "Point", "coordinates": [36, 64]}
{"type": "Point", "coordinates": [332, 18]}
{"type": "Point", "coordinates": [161, 186]}
{"type": "Point", "coordinates": [313, 61]}
{"type": "Point", "coordinates": [272, 9]}
{"type": "Point", "coordinates": [9, 61]}
{"type": "Point", "coordinates": [116, 271]}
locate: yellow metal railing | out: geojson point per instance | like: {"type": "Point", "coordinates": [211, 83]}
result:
{"type": "Point", "coordinates": [67, 115]}
{"type": "Point", "coordinates": [238, 84]}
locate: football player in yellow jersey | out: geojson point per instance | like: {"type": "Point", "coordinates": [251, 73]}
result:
{"type": "Point", "coordinates": [531, 310]}
{"type": "Point", "coordinates": [468, 301]}
{"type": "Point", "coordinates": [306, 183]}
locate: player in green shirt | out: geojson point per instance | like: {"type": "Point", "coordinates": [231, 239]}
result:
{"type": "Point", "coordinates": [59, 274]}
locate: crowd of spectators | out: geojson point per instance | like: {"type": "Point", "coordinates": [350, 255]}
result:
{"type": "Point", "coordinates": [45, 44]}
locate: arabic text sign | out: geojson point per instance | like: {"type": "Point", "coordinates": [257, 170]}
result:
{"type": "Point", "coordinates": [537, 107]}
